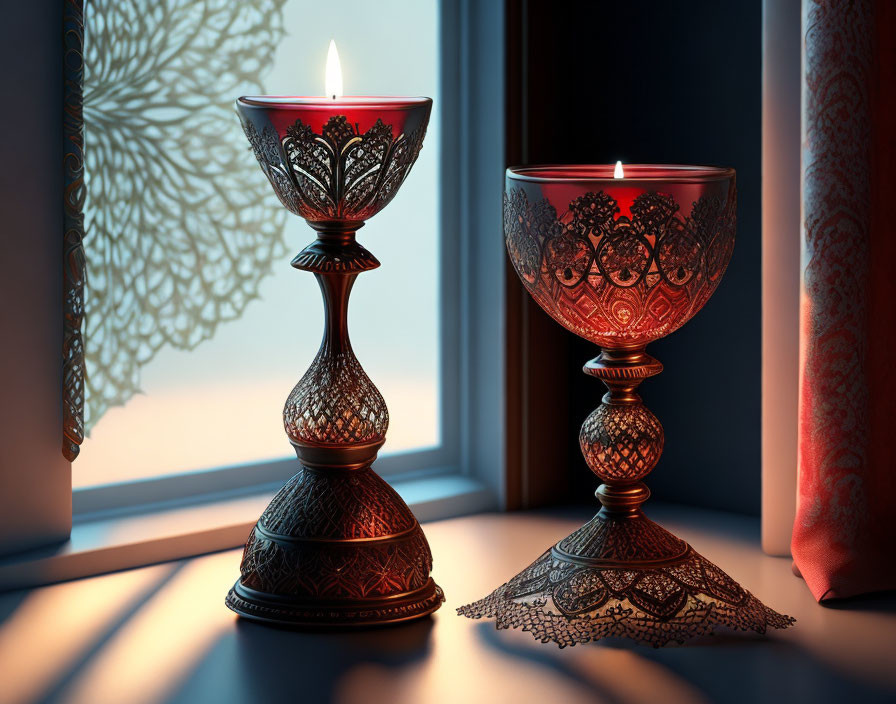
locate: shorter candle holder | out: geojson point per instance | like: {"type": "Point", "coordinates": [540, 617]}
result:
{"type": "Point", "coordinates": [337, 546]}
{"type": "Point", "coordinates": [625, 262]}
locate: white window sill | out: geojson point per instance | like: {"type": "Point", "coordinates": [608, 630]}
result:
{"type": "Point", "coordinates": [106, 544]}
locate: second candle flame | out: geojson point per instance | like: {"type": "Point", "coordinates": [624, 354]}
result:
{"type": "Point", "coordinates": [333, 78]}
{"type": "Point", "coordinates": [618, 172]}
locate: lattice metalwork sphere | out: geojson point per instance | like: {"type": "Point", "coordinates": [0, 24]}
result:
{"type": "Point", "coordinates": [621, 443]}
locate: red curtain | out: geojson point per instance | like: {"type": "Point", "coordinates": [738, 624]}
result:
{"type": "Point", "coordinates": [844, 537]}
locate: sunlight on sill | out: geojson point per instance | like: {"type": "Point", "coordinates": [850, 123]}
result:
{"type": "Point", "coordinates": [163, 634]}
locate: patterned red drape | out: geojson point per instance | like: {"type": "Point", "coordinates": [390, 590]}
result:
{"type": "Point", "coordinates": [844, 537]}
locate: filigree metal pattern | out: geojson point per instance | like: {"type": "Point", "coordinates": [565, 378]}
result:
{"type": "Point", "coordinates": [332, 505]}
{"type": "Point", "coordinates": [337, 537]}
{"type": "Point", "coordinates": [336, 570]}
{"type": "Point", "coordinates": [566, 603]}
{"type": "Point", "coordinates": [621, 443]}
{"type": "Point", "coordinates": [621, 574]}
{"type": "Point", "coordinates": [616, 279]}
{"type": "Point", "coordinates": [335, 402]}
{"type": "Point", "coordinates": [266, 147]}
{"type": "Point", "coordinates": [339, 174]}
{"type": "Point", "coordinates": [621, 281]}
{"type": "Point", "coordinates": [337, 546]}
{"type": "Point", "coordinates": [180, 230]}
{"type": "Point", "coordinates": [622, 541]}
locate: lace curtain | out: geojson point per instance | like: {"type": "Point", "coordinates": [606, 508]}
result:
{"type": "Point", "coordinates": [844, 536]}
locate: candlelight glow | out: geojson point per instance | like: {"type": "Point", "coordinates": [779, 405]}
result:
{"type": "Point", "coordinates": [333, 79]}
{"type": "Point", "coordinates": [617, 172]}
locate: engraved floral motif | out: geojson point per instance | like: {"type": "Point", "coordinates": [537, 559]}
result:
{"type": "Point", "coordinates": [337, 545]}
{"type": "Point", "coordinates": [266, 147]}
{"type": "Point", "coordinates": [340, 173]}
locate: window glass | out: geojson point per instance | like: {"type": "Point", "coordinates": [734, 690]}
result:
{"type": "Point", "coordinates": [197, 327]}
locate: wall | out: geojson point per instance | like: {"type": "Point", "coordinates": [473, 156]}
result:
{"type": "Point", "coordinates": [667, 82]}
{"type": "Point", "coordinates": [35, 479]}
{"type": "Point", "coordinates": [781, 237]}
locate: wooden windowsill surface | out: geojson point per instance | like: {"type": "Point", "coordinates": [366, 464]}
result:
{"type": "Point", "coordinates": [162, 634]}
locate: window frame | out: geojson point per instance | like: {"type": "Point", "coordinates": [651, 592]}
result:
{"type": "Point", "coordinates": [471, 378]}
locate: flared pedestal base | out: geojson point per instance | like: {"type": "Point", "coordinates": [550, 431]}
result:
{"type": "Point", "coordinates": [273, 609]}
{"type": "Point", "coordinates": [336, 548]}
{"type": "Point", "coordinates": [623, 577]}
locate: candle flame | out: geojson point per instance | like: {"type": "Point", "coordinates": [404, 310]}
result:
{"type": "Point", "coordinates": [333, 78]}
{"type": "Point", "coordinates": [618, 172]}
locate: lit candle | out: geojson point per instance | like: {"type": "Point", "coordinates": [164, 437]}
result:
{"type": "Point", "coordinates": [617, 172]}
{"type": "Point", "coordinates": [333, 77]}
{"type": "Point", "coordinates": [345, 177]}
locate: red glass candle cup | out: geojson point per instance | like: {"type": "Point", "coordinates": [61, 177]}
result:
{"type": "Point", "coordinates": [621, 262]}
{"type": "Point", "coordinates": [337, 546]}
{"type": "Point", "coordinates": [335, 161]}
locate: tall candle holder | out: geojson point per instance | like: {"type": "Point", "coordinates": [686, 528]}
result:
{"type": "Point", "coordinates": [621, 261]}
{"type": "Point", "coordinates": [337, 546]}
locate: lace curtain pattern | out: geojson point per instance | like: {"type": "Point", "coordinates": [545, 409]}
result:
{"type": "Point", "coordinates": [179, 228]}
{"type": "Point", "coordinates": [844, 535]}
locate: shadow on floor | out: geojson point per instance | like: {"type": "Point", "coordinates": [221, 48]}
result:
{"type": "Point", "coordinates": [879, 602]}
{"type": "Point", "coordinates": [55, 689]}
{"type": "Point", "coordinates": [271, 664]}
{"type": "Point", "coordinates": [9, 602]}
{"type": "Point", "coordinates": [729, 668]}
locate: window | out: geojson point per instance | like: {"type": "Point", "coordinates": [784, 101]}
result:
{"type": "Point", "coordinates": [197, 327]}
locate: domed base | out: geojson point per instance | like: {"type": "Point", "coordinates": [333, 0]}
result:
{"type": "Point", "coordinates": [628, 578]}
{"type": "Point", "coordinates": [271, 608]}
{"type": "Point", "coordinates": [336, 548]}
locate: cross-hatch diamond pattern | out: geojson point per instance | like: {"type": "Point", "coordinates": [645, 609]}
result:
{"type": "Point", "coordinates": [621, 443]}
{"type": "Point", "coordinates": [335, 403]}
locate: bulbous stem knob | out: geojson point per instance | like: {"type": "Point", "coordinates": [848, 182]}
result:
{"type": "Point", "coordinates": [622, 440]}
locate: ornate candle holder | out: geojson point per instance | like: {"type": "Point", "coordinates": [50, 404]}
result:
{"type": "Point", "coordinates": [626, 261]}
{"type": "Point", "coordinates": [337, 546]}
